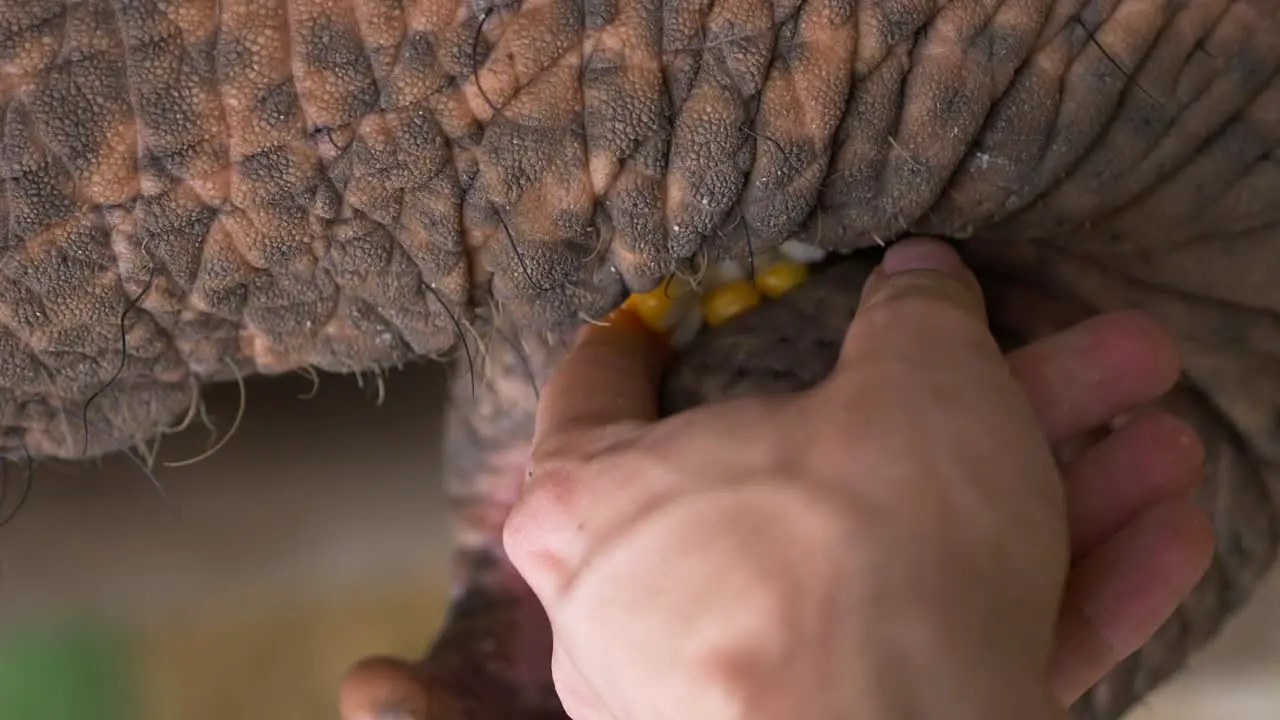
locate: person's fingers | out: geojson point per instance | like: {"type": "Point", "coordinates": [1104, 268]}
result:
{"type": "Point", "coordinates": [610, 375]}
{"type": "Point", "coordinates": [1083, 377]}
{"type": "Point", "coordinates": [920, 305]}
{"type": "Point", "coordinates": [1152, 458]}
{"type": "Point", "coordinates": [1118, 596]}
{"type": "Point", "coordinates": [920, 331]}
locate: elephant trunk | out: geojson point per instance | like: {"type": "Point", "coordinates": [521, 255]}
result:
{"type": "Point", "coordinates": [198, 190]}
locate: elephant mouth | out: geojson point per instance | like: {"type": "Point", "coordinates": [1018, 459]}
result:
{"type": "Point", "coordinates": [492, 656]}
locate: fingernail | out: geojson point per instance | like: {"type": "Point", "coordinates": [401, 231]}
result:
{"type": "Point", "coordinates": [920, 253]}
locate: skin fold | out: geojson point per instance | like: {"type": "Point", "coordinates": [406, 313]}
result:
{"type": "Point", "coordinates": [197, 190]}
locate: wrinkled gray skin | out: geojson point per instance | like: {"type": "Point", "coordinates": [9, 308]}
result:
{"type": "Point", "coordinates": [194, 190]}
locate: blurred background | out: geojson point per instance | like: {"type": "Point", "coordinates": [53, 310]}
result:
{"type": "Point", "coordinates": [244, 585]}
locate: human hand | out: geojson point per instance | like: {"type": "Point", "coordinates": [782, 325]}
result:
{"type": "Point", "coordinates": [901, 526]}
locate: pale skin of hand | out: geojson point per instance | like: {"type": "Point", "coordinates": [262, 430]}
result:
{"type": "Point", "coordinates": [897, 542]}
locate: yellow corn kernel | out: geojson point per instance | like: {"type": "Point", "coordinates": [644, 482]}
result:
{"type": "Point", "coordinates": [650, 308]}
{"type": "Point", "coordinates": [658, 308]}
{"type": "Point", "coordinates": [781, 277]}
{"type": "Point", "coordinates": [728, 301]}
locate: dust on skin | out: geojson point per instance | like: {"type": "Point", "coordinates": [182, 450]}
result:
{"type": "Point", "coordinates": [348, 185]}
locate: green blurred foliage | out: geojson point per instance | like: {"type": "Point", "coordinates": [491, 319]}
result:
{"type": "Point", "coordinates": [76, 671]}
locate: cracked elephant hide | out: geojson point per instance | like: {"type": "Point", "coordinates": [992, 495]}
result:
{"type": "Point", "coordinates": [195, 190]}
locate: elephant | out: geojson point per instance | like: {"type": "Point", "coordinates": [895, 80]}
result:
{"type": "Point", "coordinates": [199, 190]}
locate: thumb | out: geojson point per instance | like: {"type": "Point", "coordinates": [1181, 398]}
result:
{"type": "Point", "coordinates": [921, 304]}
{"type": "Point", "coordinates": [916, 269]}
{"type": "Point", "coordinates": [609, 376]}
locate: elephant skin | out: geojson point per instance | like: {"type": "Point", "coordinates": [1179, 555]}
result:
{"type": "Point", "coordinates": [200, 190]}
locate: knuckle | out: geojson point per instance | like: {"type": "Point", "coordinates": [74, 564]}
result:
{"type": "Point", "coordinates": [932, 290]}
{"type": "Point", "coordinates": [730, 686]}
{"type": "Point", "coordinates": [941, 310]}
{"type": "Point", "coordinates": [543, 535]}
